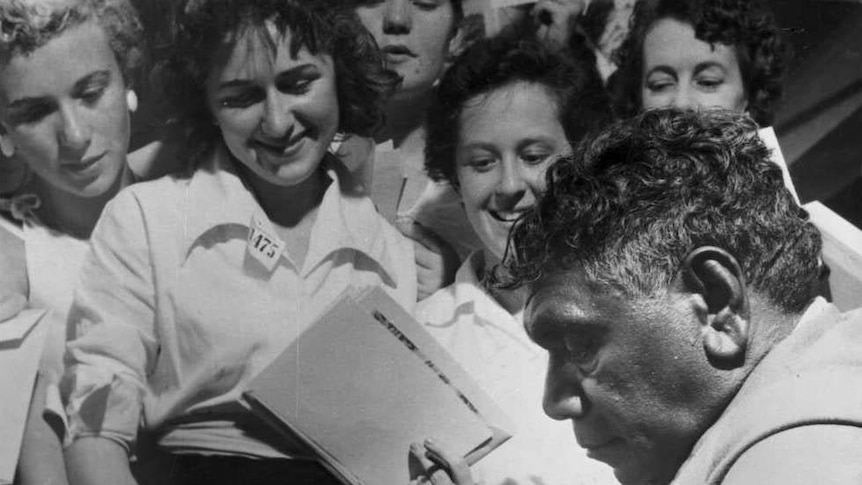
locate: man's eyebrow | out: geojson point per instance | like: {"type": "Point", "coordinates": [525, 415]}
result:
{"type": "Point", "coordinates": [549, 326]}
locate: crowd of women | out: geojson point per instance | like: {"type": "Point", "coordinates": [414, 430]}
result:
{"type": "Point", "coordinates": [366, 140]}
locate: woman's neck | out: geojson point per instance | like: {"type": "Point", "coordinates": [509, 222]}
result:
{"type": "Point", "coordinates": [405, 120]}
{"type": "Point", "coordinates": [72, 214]}
{"type": "Point", "coordinates": [513, 300]}
{"type": "Point", "coordinates": [288, 206]}
{"type": "Point", "coordinates": [292, 210]}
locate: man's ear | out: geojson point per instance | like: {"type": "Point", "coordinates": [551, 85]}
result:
{"type": "Point", "coordinates": [716, 275]}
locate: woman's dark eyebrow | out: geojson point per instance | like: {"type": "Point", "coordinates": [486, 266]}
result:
{"type": "Point", "coordinates": [662, 69]}
{"type": "Point", "coordinates": [84, 83]}
{"type": "Point", "coordinates": [526, 142]}
{"type": "Point", "coordinates": [296, 71]}
{"type": "Point", "coordinates": [26, 103]}
{"type": "Point", "coordinates": [79, 86]}
{"type": "Point", "coordinates": [707, 65]}
{"type": "Point", "coordinates": [289, 74]}
{"type": "Point", "coordinates": [233, 83]}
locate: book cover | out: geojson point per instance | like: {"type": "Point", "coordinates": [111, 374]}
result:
{"type": "Point", "coordinates": [364, 382]}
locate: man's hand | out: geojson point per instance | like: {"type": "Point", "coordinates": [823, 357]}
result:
{"type": "Point", "coordinates": [436, 261]}
{"type": "Point", "coordinates": [440, 466]}
{"type": "Point", "coordinates": [555, 20]}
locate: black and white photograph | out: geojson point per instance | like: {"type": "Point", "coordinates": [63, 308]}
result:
{"type": "Point", "coordinates": [430, 242]}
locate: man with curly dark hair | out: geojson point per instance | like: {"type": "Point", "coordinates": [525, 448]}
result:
{"type": "Point", "coordinates": [672, 280]}
{"type": "Point", "coordinates": [686, 53]}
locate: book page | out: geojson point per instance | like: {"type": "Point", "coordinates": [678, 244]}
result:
{"type": "Point", "coordinates": [20, 352]}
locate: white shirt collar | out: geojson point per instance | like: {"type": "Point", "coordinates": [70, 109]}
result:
{"type": "Point", "coordinates": [216, 196]}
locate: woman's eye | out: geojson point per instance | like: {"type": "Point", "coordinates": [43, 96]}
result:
{"type": "Point", "coordinates": [709, 84]}
{"type": "Point", "coordinates": [535, 158]}
{"type": "Point", "coordinates": [299, 86]}
{"type": "Point", "coordinates": [659, 86]}
{"type": "Point", "coordinates": [242, 99]}
{"type": "Point", "coordinates": [93, 95]}
{"type": "Point", "coordinates": [482, 164]}
{"type": "Point", "coordinates": [425, 5]}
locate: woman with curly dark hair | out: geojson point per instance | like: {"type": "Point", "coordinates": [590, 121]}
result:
{"type": "Point", "coordinates": [196, 282]}
{"type": "Point", "coordinates": [689, 53]}
{"type": "Point", "coordinates": [501, 115]}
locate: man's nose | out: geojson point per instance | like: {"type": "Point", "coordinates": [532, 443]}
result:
{"type": "Point", "coordinates": [398, 18]}
{"type": "Point", "coordinates": [563, 395]}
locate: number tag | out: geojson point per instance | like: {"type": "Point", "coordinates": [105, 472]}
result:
{"type": "Point", "coordinates": [263, 245]}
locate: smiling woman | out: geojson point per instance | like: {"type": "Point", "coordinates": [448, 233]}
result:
{"type": "Point", "coordinates": [196, 282]}
{"type": "Point", "coordinates": [501, 115]}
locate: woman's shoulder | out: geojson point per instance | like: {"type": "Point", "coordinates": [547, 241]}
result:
{"type": "Point", "coordinates": [162, 192]}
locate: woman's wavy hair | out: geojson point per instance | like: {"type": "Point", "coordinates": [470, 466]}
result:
{"type": "Point", "coordinates": [203, 28]}
{"type": "Point", "coordinates": [27, 25]}
{"type": "Point", "coordinates": [745, 25]}
{"type": "Point", "coordinates": [635, 199]}
{"type": "Point", "coordinates": [491, 64]}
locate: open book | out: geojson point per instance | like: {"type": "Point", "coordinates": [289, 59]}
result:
{"type": "Point", "coordinates": [364, 382]}
{"type": "Point", "coordinates": [842, 252]}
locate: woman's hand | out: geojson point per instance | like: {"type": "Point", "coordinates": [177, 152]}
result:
{"type": "Point", "coordinates": [440, 466]}
{"type": "Point", "coordinates": [436, 261]}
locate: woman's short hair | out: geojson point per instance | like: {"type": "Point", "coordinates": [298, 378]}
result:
{"type": "Point", "coordinates": [745, 25]}
{"type": "Point", "coordinates": [201, 28]}
{"type": "Point", "coordinates": [571, 78]}
{"type": "Point", "coordinates": [26, 25]}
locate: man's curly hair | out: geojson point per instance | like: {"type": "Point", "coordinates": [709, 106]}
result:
{"type": "Point", "coordinates": [745, 25]}
{"type": "Point", "coordinates": [571, 79]}
{"type": "Point", "coordinates": [637, 198]}
{"type": "Point", "coordinates": [26, 25]}
{"type": "Point", "coordinates": [203, 28]}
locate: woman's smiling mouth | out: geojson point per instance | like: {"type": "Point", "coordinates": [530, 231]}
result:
{"type": "Point", "coordinates": [507, 216]}
{"type": "Point", "coordinates": [279, 151]}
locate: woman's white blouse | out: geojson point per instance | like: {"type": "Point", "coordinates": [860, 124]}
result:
{"type": "Point", "coordinates": [176, 311]}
